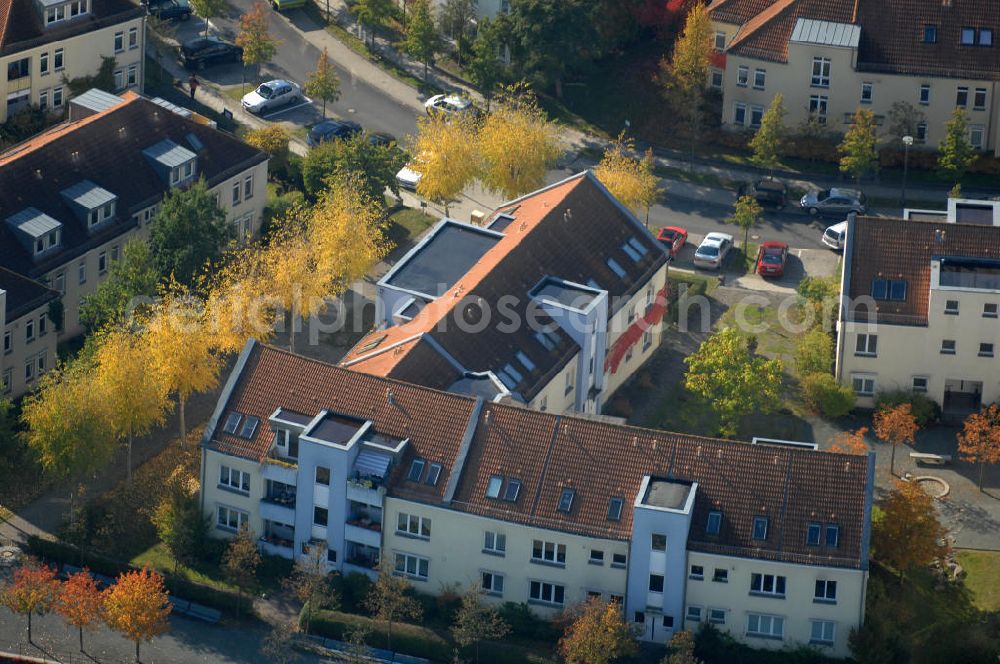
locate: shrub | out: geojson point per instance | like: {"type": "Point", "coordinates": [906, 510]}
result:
{"type": "Point", "coordinates": [524, 623]}
{"type": "Point", "coordinates": [925, 410]}
{"type": "Point", "coordinates": [824, 395]}
{"type": "Point", "coordinates": [406, 638]}
{"type": "Point", "coordinates": [814, 352]}
{"type": "Point", "coordinates": [818, 289]}
{"type": "Point", "coordinates": [354, 589]}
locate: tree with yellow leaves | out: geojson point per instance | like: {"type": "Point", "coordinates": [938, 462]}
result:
{"type": "Point", "coordinates": [631, 180]}
{"type": "Point", "coordinates": [137, 607]}
{"type": "Point", "coordinates": [236, 307]}
{"type": "Point", "coordinates": [979, 441]}
{"type": "Point", "coordinates": [446, 157]}
{"type": "Point", "coordinates": [180, 351]}
{"type": "Point", "coordinates": [272, 139]}
{"type": "Point", "coordinates": [134, 395]}
{"type": "Point", "coordinates": [517, 144]}
{"type": "Point", "coordinates": [597, 635]}
{"type": "Point", "coordinates": [65, 424]}
{"type": "Point", "coordinates": [684, 75]}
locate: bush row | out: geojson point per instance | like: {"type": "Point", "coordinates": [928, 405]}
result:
{"type": "Point", "coordinates": [59, 552]}
{"type": "Point", "coordinates": [407, 639]}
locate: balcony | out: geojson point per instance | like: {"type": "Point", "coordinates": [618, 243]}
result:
{"type": "Point", "coordinates": [365, 490]}
{"type": "Point", "coordinates": [276, 546]}
{"type": "Point", "coordinates": [370, 535]}
{"type": "Point", "coordinates": [280, 469]}
{"type": "Point", "coordinates": [273, 510]}
{"type": "Point", "coordinates": [362, 559]}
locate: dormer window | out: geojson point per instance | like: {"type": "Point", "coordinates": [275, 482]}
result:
{"type": "Point", "coordinates": [175, 163]}
{"type": "Point", "coordinates": [37, 232]}
{"type": "Point", "coordinates": [93, 204]}
{"type": "Point", "coordinates": [61, 11]}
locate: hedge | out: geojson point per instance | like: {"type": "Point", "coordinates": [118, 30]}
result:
{"type": "Point", "coordinates": [406, 638]}
{"type": "Point", "coordinates": [925, 410]}
{"type": "Point", "coordinates": [99, 564]}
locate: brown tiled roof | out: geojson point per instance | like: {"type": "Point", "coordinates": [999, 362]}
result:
{"type": "Point", "coordinates": [766, 35]}
{"type": "Point", "coordinates": [737, 12]}
{"type": "Point", "coordinates": [547, 452]}
{"type": "Point", "coordinates": [892, 37]}
{"type": "Point", "coordinates": [21, 25]}
{"type": "Point", "coordinates": [107, 149]}
{"type": "Point", "coordinates": [23, 294]}
{"type": "Point", "coordinates": [887, 248]}
{"type": "Point", "coordinates": [566, 231]}
{"type": "Point", "coordinates": [433, 421]}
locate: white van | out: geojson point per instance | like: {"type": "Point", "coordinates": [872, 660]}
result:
{"type": "Point", "coordinates": [835, 236]}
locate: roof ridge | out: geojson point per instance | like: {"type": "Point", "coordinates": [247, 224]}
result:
{"type": "Point", "coordinates": [751, 27]}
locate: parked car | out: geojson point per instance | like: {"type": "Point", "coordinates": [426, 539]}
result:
{"type": "Point", "coordinates": [332, 130]}
{"type": "Point", "coordinates": [449, 105]}
{"type": "Point", "coordinates": [768, 192]}
{"type": "Point", "coordinates": [771, 259]}
{"type": "Point", "coordinates": [170, 9]}
{"type": "Point", "coordinates": [281, 5]}
{"type": "Point", "coordinates": [408, 178]}
{"type": "Point", "coordinates": [673, 238]}
{"type": "Point", "coordinates": [204, 51]}
{"type": "Point", "coordinates": [272, 94]}
{"type": "Point", "coordinates": [834, 201]}
{"type": "Point", "coordinates": [835, 236]}
{"type": "Point", "coordinates": [711, 253]}
{"type": "Point", "coordinates": [381, 138]}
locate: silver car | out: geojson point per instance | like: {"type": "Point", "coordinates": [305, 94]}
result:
{"type": "Point", "coordinates": [835, 201]}
{"type": "Point", "coordinates": [271, 95]}
{"type": "Point", "coordinates": [711, 253]}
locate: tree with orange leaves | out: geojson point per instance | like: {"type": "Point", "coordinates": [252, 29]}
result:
{"type": "Point", "coordinates": [896, 425]}
{"type": "Point", "coordinates": [32, 591]}
{"type": "Point", "coordinates": [79, 602]}
{"type": "Point", "coordinates": [136, 605]}
{"type": "Point", "coordinates": [598, 635]}
{"type": "Point", "coordinates": [850, 442]}
{"type": "Point", "coordinates": [979, 441]}
{"type": "Point", "coordinates": [907, 533]}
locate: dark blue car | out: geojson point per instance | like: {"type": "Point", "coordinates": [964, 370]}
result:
{"type": "Point", "coordinates": [332, 130]}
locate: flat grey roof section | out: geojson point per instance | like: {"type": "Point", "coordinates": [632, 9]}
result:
{"type": "Point", "coordinates": [173, 108]}
{"type": "Point", "coordinates": [32, 222]}
{"type": "Point", "coordinates": [970, 213]}
{"type": "Point", "coordinates": [96, 100]}
{"type": "Point", "coordinates": [566, 294]}
{"type": "Point", "coordinates": [667, 493]}
{"type": "Point", "coordinates": [442, 259]}
{"type": "Point", "coordinates": [169, 153]}
{"type": "Point", "coordinates": [336, 430]}
{"type": "Point", "coordinates": [88, 195]}
{"type": "Point", "coordinates": [294, 417]}
{"type": "Point", "coordinates": [477, 386]}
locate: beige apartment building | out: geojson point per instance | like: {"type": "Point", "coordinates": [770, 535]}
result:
{"type": "Point", "coordinates": [553, 302]}
{"type": "Point", "coordinates": [920, 311]}
{"type": "Point", "coordinates": [831, 57]}
{"type": "Point", "coordinates": [29, 334]}
{"type": "Point", "coordinates": [74, 195]}
{"type": "Point", "coordinates": [45, 43]}
{"type": "Point", "coordinates": [766, 541]}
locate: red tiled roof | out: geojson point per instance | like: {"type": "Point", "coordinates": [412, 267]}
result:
{"type": "Point", "coordinates": [548, 452]}
{"type": "Point", "coordinates": [567, 231]}
{"type": "Point", "coordinates": [887, 248]}
{"type": "Point", "coordinates": [737, 12]}
{"type": "Point", "coordinates": [766, 35]}
{"type": "Point", "coordinates": [21, 24]}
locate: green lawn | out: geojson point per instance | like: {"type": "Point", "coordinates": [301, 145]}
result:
{"type": "Point", "coordinates": [270, 574]}
{"type": "Point", "coordinates": [983, 580]}
{"type": "Point", "coordinates": [406, 224]}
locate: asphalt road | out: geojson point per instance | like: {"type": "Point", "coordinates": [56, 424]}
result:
{"type": "Point", "coordinates": [699, 210]}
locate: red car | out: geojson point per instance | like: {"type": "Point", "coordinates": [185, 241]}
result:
{"type": "Point", "coordinates": [673, 239]}
{"type": "Point", "coordinates": [771, 259]}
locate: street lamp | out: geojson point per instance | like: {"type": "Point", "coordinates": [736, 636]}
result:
{"type": "Point", "coordinates": [907, 142]}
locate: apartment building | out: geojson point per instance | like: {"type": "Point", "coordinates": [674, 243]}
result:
{"type": "Point", "coordinates": [553, 302]}
{"type": "Point", "coordinates": [920, 308]}
{"type": "Point", "coordinates": [768, 542]}
{"type": "Point", "coordinates": [45, 43]}
{"type": "Point", "coordinates": [29, 336]}
{"type": "Point", "coordinates": [74, 195]}
{"type": "Point", "coordinates": [830, 57]}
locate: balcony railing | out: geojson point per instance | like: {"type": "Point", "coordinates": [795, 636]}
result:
{"type": "Point", "coordinates": [366, 481]}
{"type": "Point", "coordinates": [277, 541]}
{"type": "Point", "coordinates": [366, 523]}
{"type": "Point", "coordinates": [368, 562]}
{"type": "Point", "coordinates": [283, 498]}
{"type": "Point", "coordinates": [278, 459]}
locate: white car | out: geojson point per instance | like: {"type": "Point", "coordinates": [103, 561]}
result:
{"type": "Point", "coordinates": [711, 253]}
{"type": "Point", "coordinates": [408, 178]}
{"type": "Point", "coordinates": [448, 104]}
{"type": "Point", "coordinates": [271, 95]}
{"type": "Point", "coordinates": [836, 236]}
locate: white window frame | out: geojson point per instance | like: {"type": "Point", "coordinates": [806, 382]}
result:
{"type": "Point", "coordinates": [120, 42]}
{"type": "Point", "coordinates": [693, 614]}
{"type": "Point", "coordinates": [960, 92]}
{"type": "Point", "coordinates": [7, 381]}
{"type": "Point", "coordinates": [977, 94]}
{"type": "Point", "coordinates": [822, 639]}
{"type": "Point", "coordinates": [133, 37]}
{"type": "Point", "coordinates": [719, 41]}
{"type": "Point", "coordinates": [866, 345]}
{"type": "Point", "coordinates": [552, 553]}
{"type": "Point", "coordinates": [820, 76]}
{"type": "Point", "coordinates": [867, 92]}
{"type": "Point", "coordinates": [237, 193]}
{"type": "Point", "coordinates": [742, 76]}
{"type": "Point", "coordinates": [819, 105]}
{"type": "Point", "coordinates": [977, 136]}
{"type": "Point", "coordinates": [492, 582]}
{"type": "Point", "coordinates": [775, 626]}
{"type": "Point", "coordinates": [717, 79]}
{"type": "Point", "coordinates": [738, 108]}
{"type": "Point", "coordinates": [43, 63]}
{"type": "Point", "coordinates": [241, 518]}
{"type": "Point", "coordinates": [915, 388]}
{"type": "Point", "coordinates": [541, 595]}
{"type": "Point", "coordinates": [759, 78]}
{"type": "Point", "coordinates": [495, 543]}
{"type": "Point", "coordinates": [248, 187]}
{"type": "Point", "coordinates": [864, 390]}
{"type": "Point", "coordinates": [234, 479]}
{"type": "Point", "coordinates": [825, 591]}
{"type": "Point", "coordinates": [413, 567]}
{"type": "Point", "coordinates": [57, 95]}
{"type": "Point", "coordinates": [768, 584]}
{"type": "Point", "coordinates": [132, 76]}
{"type": "Point", "coordinates": [713, 616]}
{"type": "Point", "coordinates": [924, 96]}
{"type": "Point", "coordinates": [412, 525]}
{"type": "Point", "coordinates": [59, 60]}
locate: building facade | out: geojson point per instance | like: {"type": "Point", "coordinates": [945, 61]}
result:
{"type": "Point", "coordinates": [769, 542]}
{"type": "Point", "coordinates": [829, 59]}
{"type": "Point", "coordinates": [74, 195]}
{"type": "Point", "coordinates": [920, 311]}
{"type": "Point", "coordinates": [44, 44]}
{"type": "Point", "coordinates": [554, 302]}
{"type": "Point", "coordinates": [29, 333]}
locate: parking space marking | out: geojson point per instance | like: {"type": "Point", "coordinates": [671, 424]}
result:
{"type": "Point", "coordinates": [306, 101]}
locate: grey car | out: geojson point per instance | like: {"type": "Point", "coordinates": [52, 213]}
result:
{"type": "Point", "coordinates": [835, 201]}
